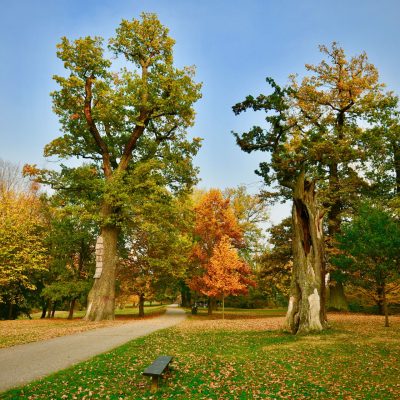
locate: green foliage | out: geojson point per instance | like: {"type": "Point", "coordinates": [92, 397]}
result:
{"type": "Point", "coordinates": [371, 246]}
{"type": "Point", "coordinates": [61, 291]}
{"type": "Point", "coordinates": [157, 247]}
{"type": "Point", "coordinates": [315, 125]}
{"type": "Point", "coordinates": [70, 240]}
{"type": "Point", "coordinates": [130, 124]}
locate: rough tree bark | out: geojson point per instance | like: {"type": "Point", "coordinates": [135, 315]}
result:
{"type": "Point", "coordinates": [306, 310]}
{"type": "Point", "coordinates": [101, 299]}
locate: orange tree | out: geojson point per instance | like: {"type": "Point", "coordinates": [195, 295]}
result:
{"type": "Point", "coordinates": [214, 221]}
{"type": "Point", "coordinates": [226, 273]}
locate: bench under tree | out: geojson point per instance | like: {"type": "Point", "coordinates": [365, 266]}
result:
{"type": "Point", "coordinates": [156, 369]}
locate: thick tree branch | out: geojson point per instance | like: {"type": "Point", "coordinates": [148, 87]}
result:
{"type": "Point", "coordinates": [93, 128]}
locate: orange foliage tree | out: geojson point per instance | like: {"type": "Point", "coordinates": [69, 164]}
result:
{"type": "Point", "coordinates": [226, 273]}
{"type": "Point", "coordinates": [216, 262]}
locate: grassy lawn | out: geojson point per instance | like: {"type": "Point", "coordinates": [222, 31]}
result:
{"type": "Point", "coordinates": [25, 330]}
{"type": "Point", "coordinates": [239, 358]}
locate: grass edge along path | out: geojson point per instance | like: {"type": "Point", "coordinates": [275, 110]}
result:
{"type": "Point", "coordinates": [356, 359]}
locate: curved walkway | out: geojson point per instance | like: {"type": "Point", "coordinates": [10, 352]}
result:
{"type": "Point", "coordinates": [28, 362]}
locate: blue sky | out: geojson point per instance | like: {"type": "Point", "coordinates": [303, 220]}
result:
{"type": "Point", "coordinates": [234, 44]}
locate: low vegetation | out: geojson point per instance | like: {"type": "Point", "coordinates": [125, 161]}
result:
{"type": "Point", "coordinates": [245, 358]}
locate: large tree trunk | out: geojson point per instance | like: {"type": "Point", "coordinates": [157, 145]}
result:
{"type": "Point", "coordinates": [141, 305]}
{"type": "Point", "coordinates": [101, 299]}
{"type": "Point", "coordinates": [306, 310]}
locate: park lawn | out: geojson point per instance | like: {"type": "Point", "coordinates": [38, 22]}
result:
{"type": "Point", "coordinates": [357, 358]}
{"type": "Point", "coordinates": [21, 331]}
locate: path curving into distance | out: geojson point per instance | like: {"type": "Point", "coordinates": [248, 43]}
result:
{"type": "Point", "coordinates": [28, 362]}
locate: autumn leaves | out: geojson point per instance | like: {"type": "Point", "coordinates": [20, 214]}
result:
{"type": "Point", "coordinates": [219, 269]}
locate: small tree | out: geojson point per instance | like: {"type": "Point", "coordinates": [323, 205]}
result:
{"type": "Point", "coordinates": [214, 219]}
{"type": "Point", "coordinates": [371, 251]}
{"type": "Point", "coordinates": [226, 273]}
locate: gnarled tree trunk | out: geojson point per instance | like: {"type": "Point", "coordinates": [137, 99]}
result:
{"type": "Point", "coordinates": [101, 299]}
{"type": "Point", "coordinates": [306, 311]}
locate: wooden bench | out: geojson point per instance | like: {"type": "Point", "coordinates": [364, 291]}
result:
{"type": "Point", "coordinates": [156, 369]}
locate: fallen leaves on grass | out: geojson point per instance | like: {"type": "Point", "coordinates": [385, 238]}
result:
{"type": "Point", "coordinates": [215, 359]}
{"type": "Point", "coordinates": [246, 324]}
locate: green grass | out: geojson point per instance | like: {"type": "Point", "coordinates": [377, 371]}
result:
{"type": "Point", "coordinates": [353, 360]}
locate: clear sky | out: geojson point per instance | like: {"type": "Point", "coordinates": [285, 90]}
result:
{"type": "Point", "coordinates": [235, 44]}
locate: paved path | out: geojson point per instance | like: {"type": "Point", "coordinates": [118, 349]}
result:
{"type": "Point", "coordinates": [28, 362]}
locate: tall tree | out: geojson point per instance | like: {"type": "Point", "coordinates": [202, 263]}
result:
{"type": "Point", "coordinates": [335, 100]}
{"type": "Point", "coordinates": [314, 138]}
{"type": "Point", "coordinates": [214, 219]}
{"type": "Point", "coordinates": [292, 168]}
{"type": "Point", "coordinates": [126, 124]}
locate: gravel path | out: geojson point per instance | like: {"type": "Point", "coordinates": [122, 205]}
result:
{"type": "Point", "coordinates": [28, 362]}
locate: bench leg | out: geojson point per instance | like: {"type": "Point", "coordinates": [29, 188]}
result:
{"type": "Point", "coordinates": [154, 383]}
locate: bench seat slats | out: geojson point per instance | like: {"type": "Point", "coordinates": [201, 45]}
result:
{"type": "Point", "coordinates": [158, 366]}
